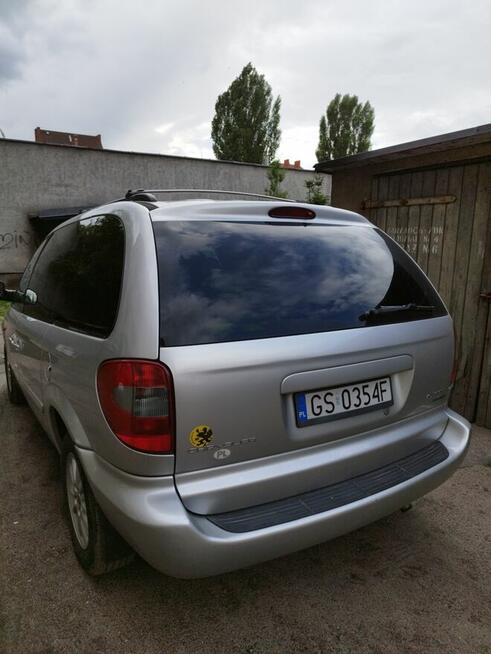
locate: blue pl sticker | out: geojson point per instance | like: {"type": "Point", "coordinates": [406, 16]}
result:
{"type": "Point", "coordinates": [301, 407]}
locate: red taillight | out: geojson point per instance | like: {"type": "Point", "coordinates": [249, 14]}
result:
{"type": "Point", "coordinates": [292, 212]}
{"type": "Point", "coordinates": [137, 400]}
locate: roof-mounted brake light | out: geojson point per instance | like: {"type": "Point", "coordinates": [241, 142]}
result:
{"type": "Point", "coordinates": [302, 213]}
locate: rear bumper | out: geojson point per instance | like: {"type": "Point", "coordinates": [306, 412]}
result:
{"type": "Point", "coordinates": [148, 512]}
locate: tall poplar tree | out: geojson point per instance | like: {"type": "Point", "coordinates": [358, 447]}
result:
{"type": "Point", "coordinates": [246, 122]}
{"type": "Point", "coordinates": [346, 128]}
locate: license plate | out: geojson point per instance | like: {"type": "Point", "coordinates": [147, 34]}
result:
{"type": "Point", "coordinates": [333, 403]}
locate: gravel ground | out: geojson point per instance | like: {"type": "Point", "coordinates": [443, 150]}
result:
{"type": "Point", "coordinates": [418, 581]}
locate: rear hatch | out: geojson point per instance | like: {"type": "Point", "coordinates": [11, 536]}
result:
{"type": "Point", "coordinates": [283, 336]}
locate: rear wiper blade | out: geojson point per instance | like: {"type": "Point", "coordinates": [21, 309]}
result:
{"type": "Point", "coordinates": [385, 308]}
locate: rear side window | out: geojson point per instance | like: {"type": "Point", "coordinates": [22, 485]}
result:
{"type": "Point", "coordinates": [77, 277]}
{"type": "Point", "coordinates": [229, 281]}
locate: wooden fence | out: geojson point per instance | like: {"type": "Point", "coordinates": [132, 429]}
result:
{"type": "Point", "coordinates": [442, 217]}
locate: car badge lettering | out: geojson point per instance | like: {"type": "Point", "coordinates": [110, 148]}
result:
{"type": "Point", "coordinates": [215, 448]}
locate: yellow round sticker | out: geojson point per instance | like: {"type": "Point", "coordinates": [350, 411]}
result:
{"type": "Point", "coordinates": [201, 436]}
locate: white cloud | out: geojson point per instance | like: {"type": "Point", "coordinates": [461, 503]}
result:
{"type": "Point", "coordinates": [162, 129]}
{"type": "Point", "coordinates": [192, 142]}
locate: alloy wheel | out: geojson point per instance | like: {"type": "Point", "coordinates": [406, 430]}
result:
{"type": "Point", "coordinates": [76, 500]}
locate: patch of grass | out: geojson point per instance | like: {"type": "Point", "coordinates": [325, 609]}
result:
{"type": "Point", "coordinates": [4, 307]}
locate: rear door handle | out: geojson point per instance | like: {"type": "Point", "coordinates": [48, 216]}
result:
{"type": "Point", "coordinates": [15, 342]}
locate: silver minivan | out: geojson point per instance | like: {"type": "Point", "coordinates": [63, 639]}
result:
{"type": "Point", "coordinates": [230, 381]}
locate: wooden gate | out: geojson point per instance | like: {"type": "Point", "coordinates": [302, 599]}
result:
{"type": "Point", "coordinates": [441, 216]}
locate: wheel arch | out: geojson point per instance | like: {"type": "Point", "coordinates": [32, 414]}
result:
{"type": "Point", "coordinates": [58, 428]}
{"type": "Point", "coordinates": [62, 419]}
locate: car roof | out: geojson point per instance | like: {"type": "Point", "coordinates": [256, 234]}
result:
{"type": "Point", "coordinates": [227, 210]}
{"type": "Point", "coordinates": [248, 210]}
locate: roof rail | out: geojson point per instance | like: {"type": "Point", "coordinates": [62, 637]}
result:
{"type": "Point", "coordinates": [148, 195]}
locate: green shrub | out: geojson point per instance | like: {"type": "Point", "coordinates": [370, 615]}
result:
{"type": "Point", "coordinates": [4, 307]}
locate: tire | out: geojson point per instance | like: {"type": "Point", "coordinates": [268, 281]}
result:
{"type": "Point", "coordinates": [98, 547]}
{"type": "Point", "coordinates": [14, 391]}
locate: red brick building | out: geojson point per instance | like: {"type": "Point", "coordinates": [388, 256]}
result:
{"type": "Point", "coordinates": [294, 166]}
{"type": "Point", "coordinates": [65, 138]}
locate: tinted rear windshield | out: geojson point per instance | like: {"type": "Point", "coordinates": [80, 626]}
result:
{"type": "Point", "coordinates": [230, 281]}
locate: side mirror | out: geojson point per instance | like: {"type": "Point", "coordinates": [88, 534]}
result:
{"type": "Point", "coordinates": [30, 297]}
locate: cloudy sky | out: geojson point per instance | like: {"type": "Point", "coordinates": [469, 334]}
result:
{"type": "Point", "coordinates": [146, 74]}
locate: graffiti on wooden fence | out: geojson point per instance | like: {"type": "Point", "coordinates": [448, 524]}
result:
{"type": "Point", "coordinates": [411, 236]}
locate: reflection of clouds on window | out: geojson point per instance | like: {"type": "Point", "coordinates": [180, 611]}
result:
{"type": "Point", "coordinates": [230, 281]}
{"type": "Point", "coordinates": [360, 273]}
{"type": "Point", "coordinates": [195, 316]}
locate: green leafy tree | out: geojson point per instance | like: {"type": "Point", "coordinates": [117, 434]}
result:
{"type": "Point", "coordinates": [346, 128]}
{"type": "Point", "coordinates": [314, 190]}
{"type": "Point", "coordinates": [276, 174]}
{"type": "Point", "coordinates": [246, 122]}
